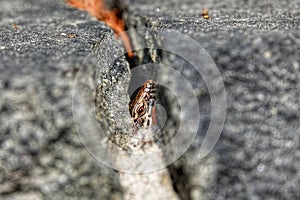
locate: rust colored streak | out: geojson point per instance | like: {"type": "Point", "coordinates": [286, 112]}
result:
{"type": "Point", "coordinates": [154, 122]}
{"type": "Point", "coordinates": [110, 17]}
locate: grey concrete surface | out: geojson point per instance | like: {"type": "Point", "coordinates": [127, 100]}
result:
{"type": "Point", "coordinates": [255, 45]}
{"type": "Point", "coordinates": [42, 45]}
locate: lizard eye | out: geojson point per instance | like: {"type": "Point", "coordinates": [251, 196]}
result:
{"type": "Point", "coordinates": [141, 110]}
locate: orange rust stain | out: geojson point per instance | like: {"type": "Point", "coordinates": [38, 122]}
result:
{"type": "Point", "coordinates": [110, 17]}
{"type": "Point", "coordinates": [205, 13]}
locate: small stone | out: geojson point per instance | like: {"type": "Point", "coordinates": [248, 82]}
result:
{"type": "Point", "coordinates": [205, 13]}
{"type": "Point", "coordinates": [267, 54]}
{"type": "Point", "coordinates": [261, 167]}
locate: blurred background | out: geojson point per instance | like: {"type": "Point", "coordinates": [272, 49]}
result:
{"type": "Point", "coordinates": [255, 45]}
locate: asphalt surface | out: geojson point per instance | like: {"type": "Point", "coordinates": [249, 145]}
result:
{"type": "Point", "coordinates": [43, 44]}
{"type": "Point", "coordinates": [255, 45]}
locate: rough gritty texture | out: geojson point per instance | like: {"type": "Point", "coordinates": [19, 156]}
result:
{"type": "Point", "coordinates": [44, 47]}
{"type": "Point", "coordinates": [42, 44]}
{"type": "Point", "coordinates": [255, 45]}
{"type": "Point", "coordinates": [113, 76]}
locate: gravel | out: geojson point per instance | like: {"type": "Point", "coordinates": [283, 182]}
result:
{"type": "Point", "coordinates": [43, 45]}
{"type": "Point", "coordinates": [255, 45]}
